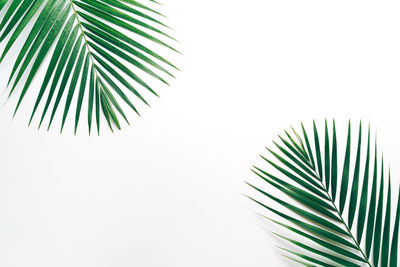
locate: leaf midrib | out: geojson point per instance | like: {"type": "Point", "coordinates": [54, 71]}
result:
{"type": "Point", "coordinates": [357, 244]}
{"type": "Point", "coordinates": [84, 37]}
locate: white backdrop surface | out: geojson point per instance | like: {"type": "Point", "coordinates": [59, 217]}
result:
{"type": "Point", "coordinates": [166, 191]}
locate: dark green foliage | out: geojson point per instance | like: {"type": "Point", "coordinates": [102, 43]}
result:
{"type": "Point", "coordinates": [311, 211]}
{"type": "Point", "coordinates": [86, 45]}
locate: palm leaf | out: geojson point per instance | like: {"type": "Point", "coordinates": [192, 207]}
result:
{"type": "Point", "coordinates": [357, 228]}
{"type": "Point", "coordinates": [99, 50]}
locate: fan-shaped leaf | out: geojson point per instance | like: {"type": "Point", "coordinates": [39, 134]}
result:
{"type": "Point", "coordinates": [312, 200]}
{"type": "Point", "coordinates": [88, 52]}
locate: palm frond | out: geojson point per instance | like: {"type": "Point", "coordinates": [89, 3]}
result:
{"type": "Point", "coordinates": [334, 214]}
{"type": "Point", "coordinates": [92, 52]}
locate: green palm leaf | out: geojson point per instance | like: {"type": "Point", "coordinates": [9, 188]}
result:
{"type": "Point", "coordinates": [92, 55]}
{"type": "Point", "coordinates": [333, 221]}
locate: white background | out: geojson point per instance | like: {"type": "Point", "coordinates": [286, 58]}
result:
{"type": "Point", "coordinates": [166, 191]}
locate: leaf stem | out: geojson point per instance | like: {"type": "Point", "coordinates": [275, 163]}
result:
{"type": "Point", "coordinates": [357, 244]}
{"type": "Point", "coordinates": [350, 233]}
{"type": "Point", "coordinates": [84, 37]}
